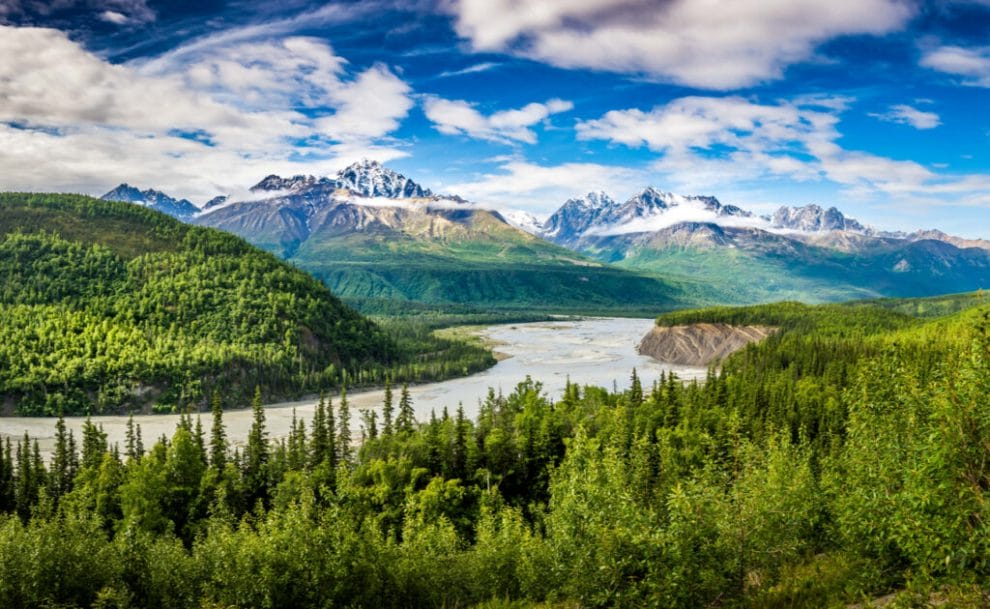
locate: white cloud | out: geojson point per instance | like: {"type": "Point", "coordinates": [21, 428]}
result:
{"type": "Point", "coordinates": [708, 142]}
{"type": "Point", "coordinates": [456, 117]}
{"type": "Point", "coordinates": [685, 211]}
{"type": "Point", "coordinates": [907, 115]}
{"type": "Point", "coordinates": [973, 65]}
{"type": "Point", "coordinates": [702, 43]}
{"type": "Point", "coordinates": [540, 189]}
{"type": "Point", "coordinates": [190, 121]}
{"type": "Point", "coordinates": [472, 69]}
{"type": "Point", "coordinates": [114, 17]}
{"type": "Point", "coordinates": [370, 106]}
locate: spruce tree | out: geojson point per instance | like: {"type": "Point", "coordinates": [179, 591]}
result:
{"type": "Point", "coordinates": [60, 480]}
{"type": "Point", "coordinates": [131, 439]}
{"type": "Point", "coordinates": [218, 435]}
{"type": "Point", "coordinates": [7, 492]}
{"type": "Point", "coordinates": [459, 449]}
{"type": "Point", "coordinates": [318, 441]}
{"type": "Point", "coordinates": [387, 409]}
{"type": "Point", "coordinates": [344, 429]}
{"type": "Point", "coordinates": [407, 416]}
{"type": "Point", "coordinates": [94, 445]}
{"type": "Point", "coordinates": [635, 390]}
{"type": "Point", "coordinates": [256, 454]}
{"type": "Point", "coordinates": [331, 431]}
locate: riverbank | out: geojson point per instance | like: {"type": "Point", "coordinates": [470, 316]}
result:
{"type": "Point", "coordinates": [588, 351]}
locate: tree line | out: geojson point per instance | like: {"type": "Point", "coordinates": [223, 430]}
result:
{"type": "Point", "coordinates": [832, 463]}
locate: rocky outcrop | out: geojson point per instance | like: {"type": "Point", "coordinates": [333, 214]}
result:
{"type": "Point", "coordinates": [699, 344]}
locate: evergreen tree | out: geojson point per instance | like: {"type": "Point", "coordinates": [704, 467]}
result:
{"type": "Point", "coordinates": [635, 390]}
{"type": "Point", "coordinates": [7, 491]}
{"type": "Point", "coordinates": [344, 430]}
{"type": "Point", "coordinates": [387, 408]}
{"type": "Point", "coordinates": [218, 435]}
{"type": "Point", "coordinates": [62, 472]}
{"type": "Point", "coordinates": [256, 453]}
{"type": "Point", "coordinates": [130, 441]}
{"type": "Point", "coordinates": [331, 434]}
{"type": "Point", "coordinates": [369, 425]}
{"type": "Point", "coordinates": [319, 441]}
{"type": "Point", "coordinates": [459, 449]}
{"type": "Point", "coordinates": [94, 444]}
{"type": "Point", "coordinates": [406, 421]}
{"type": "Point", "coordinates": [26, 479]}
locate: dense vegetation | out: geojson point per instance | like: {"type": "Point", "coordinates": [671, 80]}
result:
{"type": "Point", "coordinates": [841, 459]}
{"type": "Point", "coordinates": [110, 306]}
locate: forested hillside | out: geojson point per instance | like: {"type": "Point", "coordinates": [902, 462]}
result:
{"type": "Point", "coordinates": [110, 306]}
{"type": "Point", "coordinates": [842, 459]}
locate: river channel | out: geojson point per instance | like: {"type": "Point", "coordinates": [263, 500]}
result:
{"type": "Point", "coordinates": [590, 351]}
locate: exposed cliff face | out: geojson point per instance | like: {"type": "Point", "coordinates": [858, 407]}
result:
{"type": "Point", "coordinates": [699, 344]}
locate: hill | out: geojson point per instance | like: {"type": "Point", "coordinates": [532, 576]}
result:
{"type": "Point", "coordinates": [109, 306]}
{"type": "Point", "coordinates": [842, 459]}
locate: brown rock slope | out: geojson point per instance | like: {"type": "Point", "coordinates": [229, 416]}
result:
{"type": "Point", "coordinates": [699, 344]}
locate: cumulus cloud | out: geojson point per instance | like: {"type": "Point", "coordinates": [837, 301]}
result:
{"type": "Point", "coordinates": [908, 115]}
{"type": "Point", "coordinates": [972, 65]}
{"type": "Point", "coordinates": [701, 43]}
{"type": "Point", "coordinates": [704, 142]}
{"type": "Point", "coordinates": [195, 119]}
{"type": "Point", "coordinates": [456, 117]}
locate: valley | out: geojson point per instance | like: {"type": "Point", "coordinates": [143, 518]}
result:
{"type": "Point", "coordinates": [597, 351]}
{"type": "Point", "coordinates": [494, 304]}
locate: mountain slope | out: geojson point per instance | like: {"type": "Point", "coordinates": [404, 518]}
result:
{"type": "Point", "coordinates": [111, 306]}
{"type": "Point", "coordinates": [806, 253]}
{"type": "Point", "coordinates": [372, 234]}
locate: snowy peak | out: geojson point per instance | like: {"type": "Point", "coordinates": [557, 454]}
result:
{"type": "Point", "coordinates": [274, 183]}
{"type": "Point", "coordinates": [523, 220]}
{"type": "Point", "coordinates": [153, 199]}
{"type": "Point", "coordinates": [576, 216]}
{"type": "Point", "coordinates": [372, 179]}
{"type": "Point", "coordinates": [648, 211]}
{"type": "Point", "coordinates": [814, 219]}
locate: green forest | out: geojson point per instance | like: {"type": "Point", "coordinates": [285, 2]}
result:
{"type": "Point", "coordinates": [111, 307]}
{"type": "Point", "coordinates": [843, 459]}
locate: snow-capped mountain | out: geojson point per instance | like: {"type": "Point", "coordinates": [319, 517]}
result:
{"type": "Point", "coordinates": [154, 199]}
{"type": "Point", "coordinates": [523, 220]}
{"type": "Point", "coordinates": [576, 216]}
{"type": "Point", "coordinates": [648, 211]}
{"type": "Point", "coordinates": [371, 179]}
{"type": "Point", "coordinates": [215, 202]}
{"type": "Point", "coordinates": [274, 183]}
{"type": "Point", "coordinates": [371, 232]}
{"type": "Point", "coordinates": [364, 178]}
{"type": "Point", "coordinates": [814, 219]}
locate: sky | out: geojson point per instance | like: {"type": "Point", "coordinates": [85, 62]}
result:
{"type": "Point", "coordinates": [877, 107]}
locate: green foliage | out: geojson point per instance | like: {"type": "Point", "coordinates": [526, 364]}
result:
{"type": "Point", "coordinates": [832, 464]}
{"type": "Point", "coordinates": [108, 307]}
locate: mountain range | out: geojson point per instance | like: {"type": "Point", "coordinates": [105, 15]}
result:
{"type": "Point", "coordinates": [375, 236]}
{"type": "Point", "coordinates": [372, 234]}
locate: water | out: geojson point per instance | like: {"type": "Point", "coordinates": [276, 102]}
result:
{"type": "Point", "coordinates": [591, 352]}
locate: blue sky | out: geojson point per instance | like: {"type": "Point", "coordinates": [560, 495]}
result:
{"type": "Point", "coordinates": [878, 107]}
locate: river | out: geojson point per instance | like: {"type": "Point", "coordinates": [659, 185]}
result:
{"type": "Point", "coordinates": [590, 351]}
